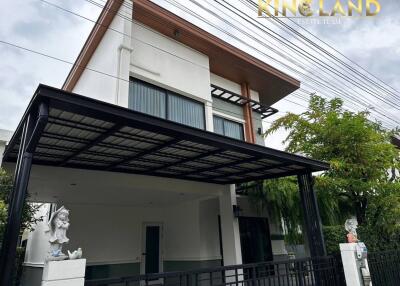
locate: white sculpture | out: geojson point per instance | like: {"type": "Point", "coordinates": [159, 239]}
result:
{"type": "Point", "coordinates": [351, 227]}
{"type": "Point", "coordinates": [77, 254]}
{"type": "Point", "coordinates": [58, 226]}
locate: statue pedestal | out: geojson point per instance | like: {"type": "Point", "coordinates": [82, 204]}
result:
{"type": "Point", "coordinates": [64, 273]}
{"type": "Point", "coordinates": [356, 269]}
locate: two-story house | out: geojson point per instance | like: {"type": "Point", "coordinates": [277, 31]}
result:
{"type": "Point", "coordinates": [147, 159]}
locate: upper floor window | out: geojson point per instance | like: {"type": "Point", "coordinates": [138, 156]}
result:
{"type": "Point", "coordinates": [228, 127]}
{"type": "Point", "coordinates": [159, 102]}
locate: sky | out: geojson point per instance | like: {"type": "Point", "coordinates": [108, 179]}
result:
{"type": "Point", "coordinates": [373, 43]}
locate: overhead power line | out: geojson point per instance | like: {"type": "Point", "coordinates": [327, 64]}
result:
{"type": "Point", "coordinates": [269, 47]}
{"type": "Point", "coordinates": [326, 84]}
{"type": "Point", "coordinates": [343, 76]}
{"type": "Point", "coordinates": [396, 92]}
{"type": "Point", "coordinates": [393, 91]}
{"type": "Point", "coordinates": [13, 45]}
{"type": "Point", "coordinates": [128, 18]}
{"type": "Point", "coordinates": [366, 105]}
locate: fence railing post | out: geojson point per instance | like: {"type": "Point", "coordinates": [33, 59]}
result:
{"type": "Point", "coordinates": [300, 274]}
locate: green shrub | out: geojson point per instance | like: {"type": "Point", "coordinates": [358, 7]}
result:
{"type": "Point", "coordinates": [379, 240]}
{"type": "Point", "coordinates": [374, 239]}
{"type": "Point", "coordinates": [333, 236]}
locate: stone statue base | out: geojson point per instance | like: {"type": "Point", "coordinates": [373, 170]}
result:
{"type": "Point", "coordinates": [353, 267]}
{"type": "Point", "coordinates": [66, 272]}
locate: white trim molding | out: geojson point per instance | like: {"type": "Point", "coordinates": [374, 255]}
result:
{"type": "Point", "coordinates": [230, 117]}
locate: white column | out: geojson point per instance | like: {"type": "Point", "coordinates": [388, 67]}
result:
{"type": "Point", "coordinates": [64, 273]}
{"type": "Point", "coordinates": [352, 265]}
{"type": "Point", "coordinates": [124, 56]}
{"type": "Point", "coordinates": [229, 227]}
{"type": "Point", "coordinates": [2, 147]}
{"type": "Point", "coordinates": [209, 116]}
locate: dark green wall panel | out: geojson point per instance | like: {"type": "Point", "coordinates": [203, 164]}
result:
{"type": "Point", "coordinates": [170, 266]}
{"type": "Point", "coordinates": [112, 270]}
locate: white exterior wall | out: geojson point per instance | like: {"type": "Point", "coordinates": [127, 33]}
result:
{"type": "Point", "coordinates": [230, 227]}
{"type": "Point", "coordinates": [148, 55]}
{"type": "Point", "coordinates": [225, 83]}
{"type": "Point", "coordinates": [109, 209]}
{"type": "Point", "coordinates": [143, 53]}
{"type": "Point", "coordinates": [167, 63]}
{"type": "Point", "coordinates": [2, 148]}
{"type": "Point", "coordinates": [232, 86]}
{"type": "Point", "coordinates": [209, 229]}
{"type": "Point", "coordinates": [5, 136]}
{"type": "Point", "coordinates": [107, 59]}
{"type": "Point", "coordinates": [112, 234]}
{"type": "Point", "coordinates": [37, 245]}
{"type": "Point", "coordinates": [117, 238]}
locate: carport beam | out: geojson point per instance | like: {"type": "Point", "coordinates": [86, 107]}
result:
{"type": "Point", "coordinates": [312, 219]}
{"type": "Point", "coordinates": [33, 127]}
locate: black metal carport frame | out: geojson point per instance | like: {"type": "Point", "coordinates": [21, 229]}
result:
{"type": "Point", "coordinates": [63, 129]}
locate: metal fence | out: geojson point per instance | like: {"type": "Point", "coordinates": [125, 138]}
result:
{"type": "Point", "coordinates": [324, 271]}
{"type": "Point", "coordinates": [385, 268]}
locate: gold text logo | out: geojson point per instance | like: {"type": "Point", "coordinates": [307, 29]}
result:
{"type": "Point", "coordinates": [309, 8]}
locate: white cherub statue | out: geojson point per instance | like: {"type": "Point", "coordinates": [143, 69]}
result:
{"type": "Point", "coordinates": [58, 226]}
{"type": "Point", "coordinates": [351, 226]}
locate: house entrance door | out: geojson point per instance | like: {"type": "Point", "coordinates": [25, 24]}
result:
{"type": "Point", "coordinates": [255, 240]}
{"type": "Point", "coordinates": [152, 249]}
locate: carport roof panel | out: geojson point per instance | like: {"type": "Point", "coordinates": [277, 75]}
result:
{"type": "Point", "coordinates": [89, 134]}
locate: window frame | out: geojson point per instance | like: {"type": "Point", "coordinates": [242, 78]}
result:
{"type": "Point", "coordinates": [167, 92]}
{"type": "Point", "coordinates": [231, 119]}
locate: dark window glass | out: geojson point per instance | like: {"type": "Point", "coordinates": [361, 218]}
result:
{"type": "Point", "coordinates": [228, 128]}
{"type": "Point", "coordinates": [186, 111]}
{"type": "Point", "coordinates": [149, 99]}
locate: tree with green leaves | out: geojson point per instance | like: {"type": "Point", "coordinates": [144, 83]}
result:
{"type": "Point", "coordinates": [362, 179]}
{"type": "Point", "coordinates": [359, 151]}
{"type": "Point", "coordinates": [280, 198]}
{"type": "Point", "coordinates": [29, 219]}
{"type": "Point", "coordinates": [28, 216]}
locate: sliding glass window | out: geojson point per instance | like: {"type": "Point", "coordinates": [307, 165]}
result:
{"type": "Point", "coordinates": [228, 127]}
{"type": "Point", "coordinates": [147, 99]}
{"type": "Point", "coordinates": [156, 101]}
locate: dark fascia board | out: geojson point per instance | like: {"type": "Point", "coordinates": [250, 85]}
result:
{"type": "Point", "coordinates": [72, 102]}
